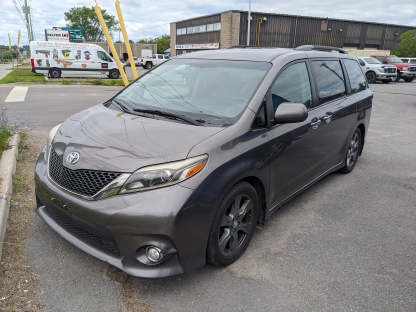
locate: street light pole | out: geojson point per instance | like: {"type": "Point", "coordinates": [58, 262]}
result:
{"type": "Point", "coordinates": [249, 18]}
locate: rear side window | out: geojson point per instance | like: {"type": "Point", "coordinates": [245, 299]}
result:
{"type": "Point", "coordinates": [330, 80]}
{"type": "Point", "coordinates": [405, 60]}
{"type": "Point", "coordinates": [355, 75]}
{"type": "Point", "coordinates": [382, 59]}
{"type": "Point", "coordinates": [292, 86]}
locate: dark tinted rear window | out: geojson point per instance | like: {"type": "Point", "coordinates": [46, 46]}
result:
{"type": "Point", "coordinates": [330, 80]}
{"type": "Point", "coordinates": [355, 75]}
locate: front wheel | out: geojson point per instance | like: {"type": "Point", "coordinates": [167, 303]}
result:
{"type": "Point", "coordinates": [371, 77]}
{"type": "Point", "coordinates": [55, 73]}
{"type": "Point", "coordinates": [233, 225]}
{"type": "Point", "coordinates": [352, 152]}
{"type": "Point", "coordinates": [408, 79]}
{"type": "Point", "coordinates": [114, 74]}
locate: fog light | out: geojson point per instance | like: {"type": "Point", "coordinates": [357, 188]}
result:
{"type": "Point", "coordinates": [154, 254]}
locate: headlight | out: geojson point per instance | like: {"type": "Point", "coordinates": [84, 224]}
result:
{"type": "Point", "coordinates": [405, 68]}
{"type": "Point", "coordinates": [152, 177]}
{"type": "Point", "coordinates": [51, 135]}
{"type": "Point", "coordinates": [380, 69]}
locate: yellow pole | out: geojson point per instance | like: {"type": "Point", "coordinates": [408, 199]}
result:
{"type": "Point", "coordinates": [126, 39]}
{"type": "Point", "coordinates": [111, 44]}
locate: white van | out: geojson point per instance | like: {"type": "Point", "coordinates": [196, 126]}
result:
{"type": "Point", "coordinates": [71, 59]}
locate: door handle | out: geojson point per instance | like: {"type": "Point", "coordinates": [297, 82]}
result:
{"type": "Point", "coordinates": [327, 118]}
{"type": "Point", "coordinates": [315, 123]}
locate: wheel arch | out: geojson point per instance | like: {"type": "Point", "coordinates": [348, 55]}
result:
{"type": "Point", "coordinates": [261, 192]}
{"type": "Point", "coordinates": [362, 130]}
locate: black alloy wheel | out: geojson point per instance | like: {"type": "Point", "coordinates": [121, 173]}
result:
{"type": "Point", "coordinates": [397, 77]}
{"type": "Point", "coordinates": [114, 74]}
{"type": "Point", "coordinates": [371, 77]}
{"type": "Point", "coordinates": [55, 73]}
{"type": "Point", "coordinates": [352, 152]}
{"type": "Point", "coordinates": [233, 225]}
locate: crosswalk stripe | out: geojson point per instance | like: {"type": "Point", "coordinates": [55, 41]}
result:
{"type": "Point", "coordinates": [18, 94]}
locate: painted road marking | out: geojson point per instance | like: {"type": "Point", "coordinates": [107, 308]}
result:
{"type": "Point", "coordinates": [18, 94]}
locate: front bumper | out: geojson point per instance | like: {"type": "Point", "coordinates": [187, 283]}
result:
{"type": "Point", "coordinates": [118, 229]}
{"type": "Point", "coordinates": [385, 76]}
{"type": "Point", "coordinates": [407, 74]}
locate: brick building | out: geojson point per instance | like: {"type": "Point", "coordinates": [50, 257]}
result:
{"type": "Point", "coordinates": [221, 30]}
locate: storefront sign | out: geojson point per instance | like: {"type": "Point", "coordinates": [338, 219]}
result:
{"type": "Point", "coordinates": [56, 35]}
{"type": "Point", "coordinates": [197, 46]}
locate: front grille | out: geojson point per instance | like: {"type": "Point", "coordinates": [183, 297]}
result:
{"type": "Point", "coordinates": [390, 69]}
{"type": "Point", "coordinates": [108, 245]}
{"type": "Point", "coordinates": [83, 182]}
{"type": "Point", "coordinates": [412, 68]}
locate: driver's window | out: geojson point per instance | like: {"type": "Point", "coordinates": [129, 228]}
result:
{"type": "Point", "coordinates": [102, 56]}
{"type": "Point", "coordinates": [361, 62]}
{"type": "Point", "coordinates": [292, 86]}
{"type": "Point", "coordinates": [382, 59]}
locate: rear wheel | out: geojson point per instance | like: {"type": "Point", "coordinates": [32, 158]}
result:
{"type": "Point", "coordinates": [55, 73]}
{"type": "Point", "coordinates": [233, 225]}
{"type": "Point", "coordinates": [408, 79]}
{"type": "Point", "coordinates": [352, 152]}
{"type": "Point", "coordinates": [148, 65]}
{"type": "Point", "coordinates": [371, 77]}
{"type": "Point", "coordinates": [397, 77]}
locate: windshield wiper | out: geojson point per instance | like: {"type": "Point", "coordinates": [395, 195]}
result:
{"type": "Point", "coordinates": [167, 115]}
{"type": "Point", "coordinates": [124, 108]}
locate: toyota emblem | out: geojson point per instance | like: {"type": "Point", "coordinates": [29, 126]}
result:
{"type": "Point", "coordinates": [72, 158]}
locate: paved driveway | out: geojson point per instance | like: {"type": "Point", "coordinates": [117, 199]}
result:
{"type": "Point", "coordinates": [348, 243]}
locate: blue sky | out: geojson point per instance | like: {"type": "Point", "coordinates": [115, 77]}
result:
{"type": "Point", "coordinates": [151, 18]}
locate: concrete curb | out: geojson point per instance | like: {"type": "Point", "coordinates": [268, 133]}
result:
{"type": "Point", "coordinates": [7, 169]}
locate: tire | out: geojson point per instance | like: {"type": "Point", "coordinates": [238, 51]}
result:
{"type": "Point", "coordinates": [408, 79]}
{"type": "Point", "coordinates": [353, 152]}
{"type": "Point", "coordinates": [114, 74]}
{"type": "Point", "coordinates": [55, 73]}
{"type": "Point", "coordinates": [148, 65]}
{"type": "Point", "coordinates": [371, 77]}
{"type": "Point", "coordinates": [233, 225]}
{"type": "Point", "coordinates": [386, 81]}
{"type": "Point", "coordinates": [397, 77]}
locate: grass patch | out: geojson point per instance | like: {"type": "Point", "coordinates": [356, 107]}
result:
{"type": "Point", "coordinates": [22, 75]}
{"type": "Point", "coordinates": [113, 82]}
{"type": "Point", "coordinates": [65, 81]}
{"type": "Point", "coordinates": [18, 182]}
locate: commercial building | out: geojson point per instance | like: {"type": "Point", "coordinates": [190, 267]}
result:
{"type": "Point", "coordinates": [221, 30]}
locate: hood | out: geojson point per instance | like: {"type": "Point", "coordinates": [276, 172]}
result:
{"type": "Point", "coordinates": [109, 140]}
{"type": "Point", "coordinates": [402, 64]}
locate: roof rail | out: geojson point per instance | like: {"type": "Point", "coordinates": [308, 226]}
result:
{"type": "Point", "coordinates": [250, 47]}
{"type": "Point", "coordinates": [318, 47]}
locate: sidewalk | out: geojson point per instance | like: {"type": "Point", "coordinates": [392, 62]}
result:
{"type": "Point", "coordinates": [3, 71]}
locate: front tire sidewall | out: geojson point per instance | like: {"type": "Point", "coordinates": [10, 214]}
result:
{"type": "Point", "coordinates": [55, 73]}
{"type": "Point", "coordinates": [371, 77]}
{"type": "Point", "coordinates": [114, 74]}
{"type": "Point", "coordinates": [148, 66]}
{"type": "Point", "coordinates": [214, 255]}
{"type": "Point", "coordinates": [346, 168]}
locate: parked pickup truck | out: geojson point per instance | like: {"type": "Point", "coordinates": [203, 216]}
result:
{"type": "Point", "coordinates": [404, 70]}
{"type": "Point", "coordinates": [156, 59]}
{"type": "Point", "coordinates": [374, 70]}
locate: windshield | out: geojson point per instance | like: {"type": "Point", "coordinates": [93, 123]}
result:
{"type": "Point", "coordinates": [215, 91]}
{"type": "Point", "coordinates": [371, 60]}
{"type": "Point", "coordinates": [394, 59]}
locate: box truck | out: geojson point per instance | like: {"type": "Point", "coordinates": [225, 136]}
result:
{"type": "Point", "coordinates": [71, 59]}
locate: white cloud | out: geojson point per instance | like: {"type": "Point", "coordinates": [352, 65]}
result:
{"type": "Point", "coordinates": [151, 18]}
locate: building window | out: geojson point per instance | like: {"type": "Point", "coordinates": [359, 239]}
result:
{"type": "Point", "coordinates": [190, 30]}
{"type": "Point", "coordinates": [217, 26]}
{"type": "Point", "coordinates": [202, 28]}
{"type": "Point", "coordinates": [210, 27]}
{"type": "Point", "coordinates": [181, 31]}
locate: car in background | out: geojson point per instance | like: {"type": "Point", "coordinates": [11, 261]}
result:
{"type": "Point", "coordinates": [161, 178]}
{"type": "Point", "coordinates": [411, 60]}
{"type": "Point", "coordinates": [155, 60]}
{"type": "Point", "coordinates": [135, 59]}
{"type": "Point", "coordinates": [404, 70]}
{"type": "Point", "coordinates": [374, 70]}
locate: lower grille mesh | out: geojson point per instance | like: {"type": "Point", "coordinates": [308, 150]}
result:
{"type": "Point", "coordinates": [108, 245]}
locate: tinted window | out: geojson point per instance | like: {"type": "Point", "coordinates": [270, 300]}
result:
{"type": "Point", "coordinates": [330, 80]}
{"type": "Point", "coordinates": [361, 62]}
{"type": "Point", "coordinates": [405, 60]}
{"type": "Point", "coordinates": [292, 86]}
{"type": "Point", "coordinates": [355, 75]}
{"type": "Point", "coordinates": [382, 59]}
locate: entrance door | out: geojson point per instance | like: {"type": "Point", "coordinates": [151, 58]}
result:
{"type": "Point", "coordinates": [294, 147]}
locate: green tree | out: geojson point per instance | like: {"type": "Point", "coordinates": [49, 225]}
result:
{"type": "Point", "coordinates": [407, 45]}
{"type": "Point", "coordinates": [163, 43]}
{"type": "Point", "coordinates": [85, 18]}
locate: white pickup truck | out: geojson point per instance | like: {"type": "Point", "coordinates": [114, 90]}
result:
{"type": "Point", "coordinates": [156, 59]}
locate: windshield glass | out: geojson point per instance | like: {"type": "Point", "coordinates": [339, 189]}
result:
{"type": "Point", "coordinates": [394, 59]}
{"type": "Point", "coordinates": [371, 60]}
{"type": "Point", "coordinates": [215, 91]}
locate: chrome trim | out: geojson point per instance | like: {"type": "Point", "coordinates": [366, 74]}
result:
{"type": "Point", "coordinates": [305, 186]}
{"type": "Point", "coordinates": [109, 190]}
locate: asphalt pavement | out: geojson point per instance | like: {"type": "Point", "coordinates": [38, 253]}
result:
{"type": "Point", "coordinates": [348, 243]}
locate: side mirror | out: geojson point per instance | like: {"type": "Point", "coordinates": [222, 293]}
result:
{"type": "Point", "coordinates": [290, 112]}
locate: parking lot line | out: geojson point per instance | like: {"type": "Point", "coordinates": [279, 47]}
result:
{"type": "Point", "coordinates": [18, 94]}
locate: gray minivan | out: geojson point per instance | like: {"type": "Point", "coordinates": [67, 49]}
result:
{"type": "Point", "coordinates": [166, 176]}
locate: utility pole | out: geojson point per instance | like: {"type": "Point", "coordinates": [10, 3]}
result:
{"type": "Point", "coordinates": [26, 10]}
